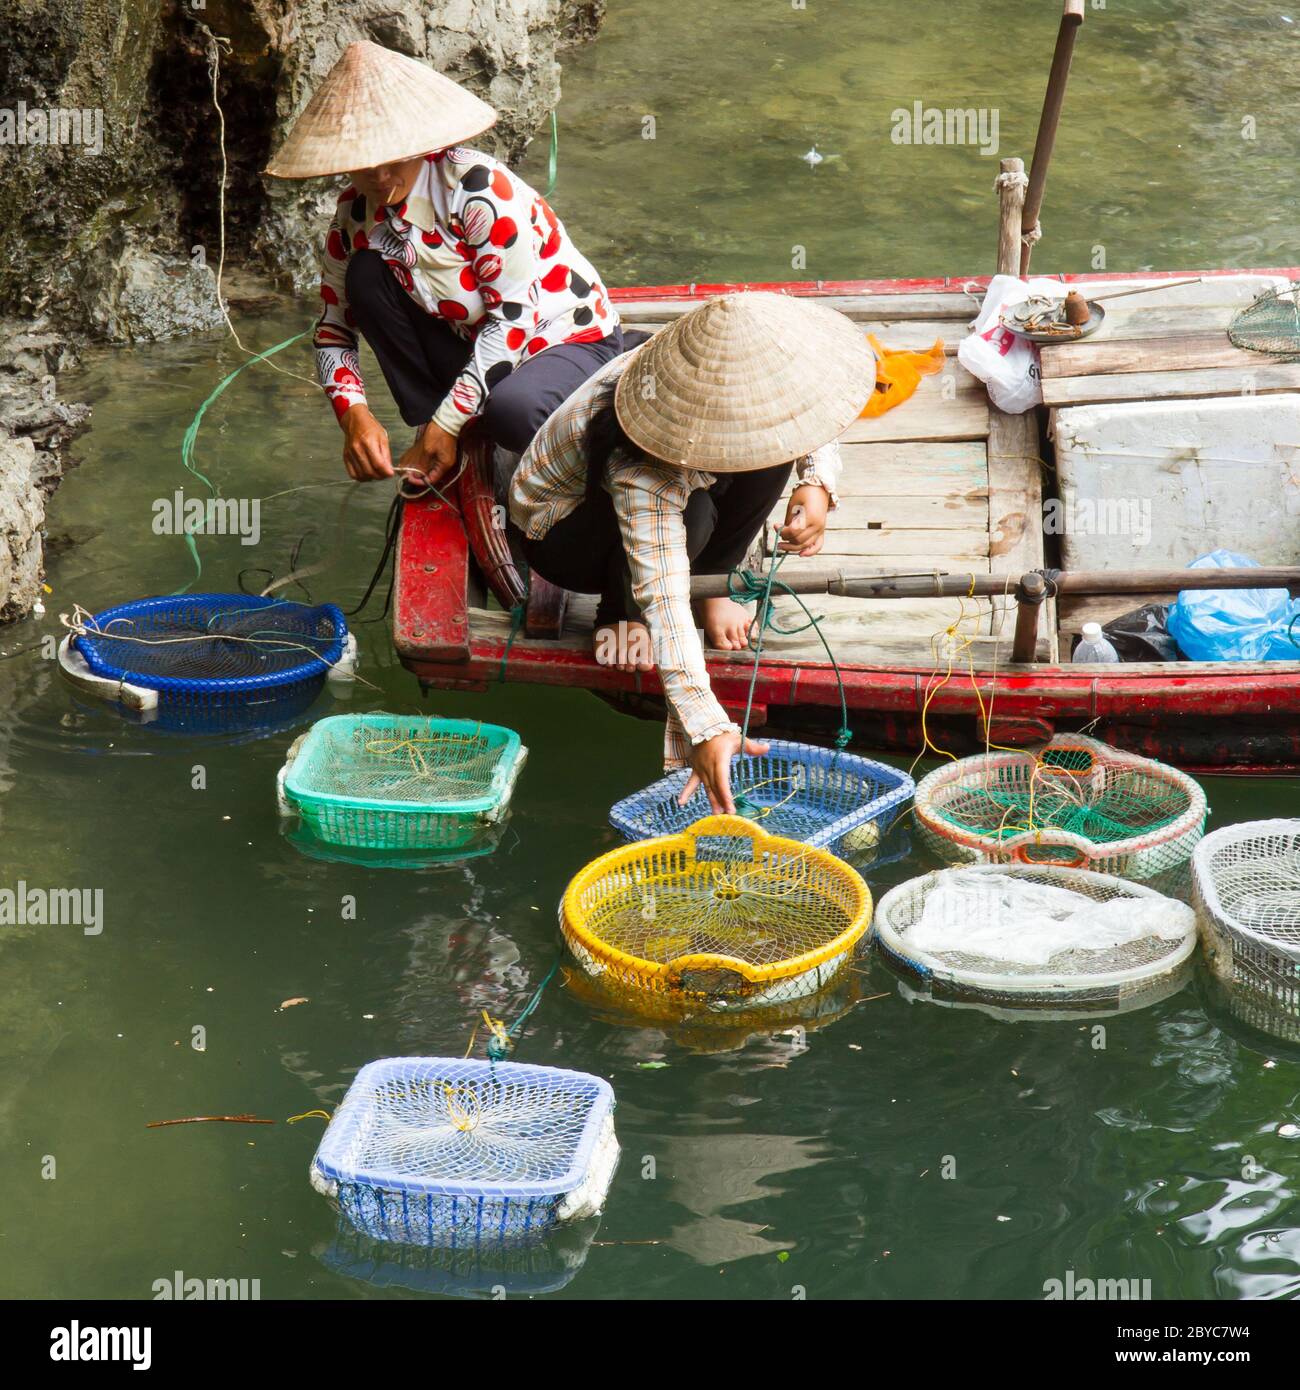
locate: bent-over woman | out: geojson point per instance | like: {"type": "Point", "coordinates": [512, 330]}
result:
{"type": "Point", "coordinates": [665, 464]}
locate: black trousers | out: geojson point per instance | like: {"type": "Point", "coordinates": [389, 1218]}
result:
{"type": "Point", "coordinates": [584, 552]}
{"type": "Point", "coordinates": [421, 357]}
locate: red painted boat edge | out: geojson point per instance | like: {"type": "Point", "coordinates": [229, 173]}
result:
{"type": "Point", "coordinates": [946, 284]}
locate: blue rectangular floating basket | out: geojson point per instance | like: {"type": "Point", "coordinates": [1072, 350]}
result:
{"type": "Point", "coordinates": [439, 1152]}
{"type": "Point", "coordinates": [828, 799]}
{"type": "Point", "coordinates": [204, 663]}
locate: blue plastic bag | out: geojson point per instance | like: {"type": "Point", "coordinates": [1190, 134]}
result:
{"type": "Point", "coordinates": [1234, 624]}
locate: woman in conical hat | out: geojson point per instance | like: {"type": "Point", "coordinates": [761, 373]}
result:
{"type": "Point", "coordinates": [458, 275]}
{"type": "Point", "coordinates": [666, 464]}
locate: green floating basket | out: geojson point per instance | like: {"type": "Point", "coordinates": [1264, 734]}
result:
{"type": "Point", "coordinates": [397, 781]}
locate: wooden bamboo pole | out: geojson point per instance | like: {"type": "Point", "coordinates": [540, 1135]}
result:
{"type": "Point", "coordinates": [1029, 601]}
{"type": "Point", "coordinates": [1053, 100]}
{"type": "Point", "coordinates": [1011, 191]}
{"type": "Point", "coordinates": [815, 580]}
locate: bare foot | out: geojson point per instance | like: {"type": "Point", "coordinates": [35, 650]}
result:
{"type": "Point", "coordinates": [726, 623]}
{"type": "Point", "coordinates": [623, 645]}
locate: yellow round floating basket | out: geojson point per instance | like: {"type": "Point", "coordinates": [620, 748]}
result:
{"type": "Point", "coordinates": [720, 916]}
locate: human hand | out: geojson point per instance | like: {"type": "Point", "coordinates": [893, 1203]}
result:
{"type": "Point", "coordinates": [805, 520]}
{"type": "Point", "coordinates": [365, 446]}
{"type": "Point", "coordinates": [711, 765]}
{"type": "Point", "coordinates": [433, 454]}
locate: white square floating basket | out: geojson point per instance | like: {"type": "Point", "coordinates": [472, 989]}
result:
{"type": "Point", "coordinates": [440, 1152]}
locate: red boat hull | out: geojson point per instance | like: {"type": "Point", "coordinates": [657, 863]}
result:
{"type": "Point", "coordinates": [1239, 718]}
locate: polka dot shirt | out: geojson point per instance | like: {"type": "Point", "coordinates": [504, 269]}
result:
{"type": "Point", "coordinates": [475, 246]}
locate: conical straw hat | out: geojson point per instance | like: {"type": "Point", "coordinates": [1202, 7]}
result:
{"type": "Point", "coordinates": [377, 107]}
{"type": "Point", "coordinates": [744, 382]}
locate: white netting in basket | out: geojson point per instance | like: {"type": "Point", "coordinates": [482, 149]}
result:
{"type": "Point", "coordinates": [1247, 889]}
{"type": "Point", "coordinates": [1034, 934]}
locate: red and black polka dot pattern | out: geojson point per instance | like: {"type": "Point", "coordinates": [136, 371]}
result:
{"type": "Point", "coordinates": [477, 247]}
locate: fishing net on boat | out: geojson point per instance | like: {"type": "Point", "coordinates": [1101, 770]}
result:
{"type": "Point", "coordinates": [826, 798]}
{"type": "Point", "coordinates": [391, 781]}
{"type": "Point", "coordinates": [722, 915]}
{"type": "Point", "coordinates": [1246, 881]}
{"type": "Point", "coordinates": [1270, 325]}
{"type": "Point", "coordinates": [1035, 937]}
{"type": "Point", "coordinates": [436, 1152]}
{"type": "Point", "coordinates": [216, 653]}
{"type": "Point", "coordinates": [1076, 802]}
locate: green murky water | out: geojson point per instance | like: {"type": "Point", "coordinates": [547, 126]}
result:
{"type": "Point", "coordinates": [1130, 1161]}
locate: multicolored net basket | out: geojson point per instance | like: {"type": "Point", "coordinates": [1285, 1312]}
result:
{"type": "Point", "coordinates": [209, 659]}
{"type": "Point", "coordinates": [399, 781]}
{"type": "Point", "coordinates": [1246, 883]}
{"type": "Point", "coordinates": [1075, 803]}
{"type": "Point", "coordinates": [831, 800]}
{"type": "Point", "coordinates": [1147, 959]}
{"type": "Point", "coordinates": [721, 916]}
{"type": "Point", "coordinates": [438, 1152]}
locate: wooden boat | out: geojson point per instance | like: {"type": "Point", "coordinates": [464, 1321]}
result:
{"type": "Point", "coordinates": [944, 484]}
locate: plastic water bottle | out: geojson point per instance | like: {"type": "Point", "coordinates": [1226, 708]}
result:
{"type": "Point", "coordinates": [1094, 647]}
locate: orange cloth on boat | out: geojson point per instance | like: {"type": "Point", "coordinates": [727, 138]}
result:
{"type": "Point", "coordinates": [899, 373]}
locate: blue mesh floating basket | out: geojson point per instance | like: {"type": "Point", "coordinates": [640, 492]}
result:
{"type": "Point", "coordinates": [400, 781]}
{"type": "Point", "coordinates": [830, 800]}
{"type": "Point", "coordinates": [220, 658]}
{"type": "Point", "coordinates": [456, 1153]}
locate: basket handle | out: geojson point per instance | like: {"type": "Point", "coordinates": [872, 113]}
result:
{"type": "Point", "coordinates": [705, 960]}
{"type": "Point", "coordinates": [1044, 768]}
{"type": "Point", "coordinates": [722, 828]}
{"type": "Point", "coordinates": [1021, 848]}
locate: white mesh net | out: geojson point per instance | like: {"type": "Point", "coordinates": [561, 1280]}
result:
{"type": "Point", "coordinates": [1034, 934]}
{"type": "Point", "coordinates": [1247, 886]}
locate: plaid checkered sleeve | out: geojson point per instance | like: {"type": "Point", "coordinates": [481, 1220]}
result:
{"type": "Point", "coordinates": [649, 502]}
{"type": "Point", "coordinates": [823, 466]}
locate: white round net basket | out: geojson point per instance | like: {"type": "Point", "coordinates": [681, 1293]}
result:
{"type": "Point", "coordinates": [1246, 881]}
{"type": "Point", "coordinates": [1036, 937]}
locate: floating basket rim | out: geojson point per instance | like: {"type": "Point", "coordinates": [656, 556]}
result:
{"type": "Point", "coordinates": [309, 667]}
{"type": "Point", "coordinates": [1195, 814]}
{"type": "Point", "coordinates": [901, 787]}
{"type": "Point", "coordinates": [602, 1107]}
{"type": "Point", "coordinates": [895, 944]}
{"type": "Point", "coordinates": [511, 754]}
{"type": "Point", "coordinates": [573, 925]}
{"type": "Point", "coordinates": [1206, 890]}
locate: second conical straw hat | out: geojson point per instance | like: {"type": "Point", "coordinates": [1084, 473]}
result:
{"type": "Point", "coordinates": [746, 381]}
{"type": "Point", "coordinates": [377, 107]}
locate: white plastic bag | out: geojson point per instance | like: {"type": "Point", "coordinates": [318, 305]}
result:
{"type": "Point", "coordinates": [1006, 362]}
{"type": "Point", "coordinates": [1026, 923]}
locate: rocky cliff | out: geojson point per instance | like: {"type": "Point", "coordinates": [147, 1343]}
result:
{"type": "Point", "coordinates": [111, 163]}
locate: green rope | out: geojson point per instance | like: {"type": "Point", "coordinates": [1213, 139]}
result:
{"type": "Point", "coordinates": [555, 156]}
{"type": "Point", "coordinates": [498, 1051]}
{"type": "Point", "coordinates": [191, 437]}
{"type": "Point", "coordinates": [517, 615]}
{"type": "Point", "coordinates": [744, 586]}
